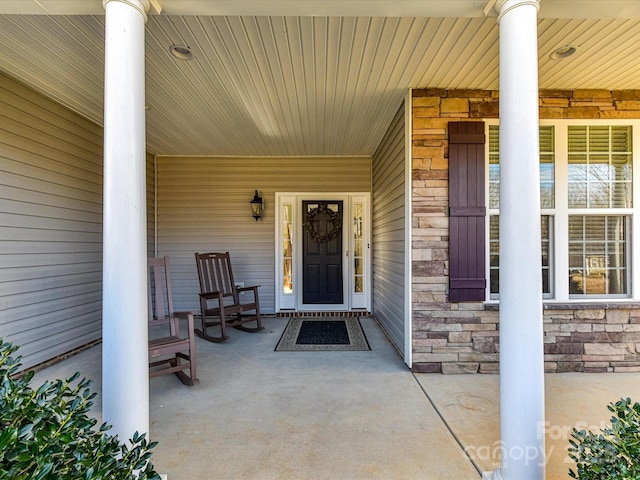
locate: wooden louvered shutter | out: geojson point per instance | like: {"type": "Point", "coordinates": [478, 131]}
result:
{"type": "Point", "coordinates": [467, 278]}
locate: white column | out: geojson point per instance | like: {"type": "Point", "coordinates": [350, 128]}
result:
{"type": "Point", "coordinates": [125, 377]}
{"type": "Point", "coordinates": [521, 334]}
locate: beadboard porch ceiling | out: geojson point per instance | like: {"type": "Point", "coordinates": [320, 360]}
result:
{"type": "Point", "coordinates": [304, 77]}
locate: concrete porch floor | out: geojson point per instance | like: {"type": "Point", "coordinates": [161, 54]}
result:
{"type": "Point", "coordinates": [260, 414]}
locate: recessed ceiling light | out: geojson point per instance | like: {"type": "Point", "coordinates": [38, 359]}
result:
{"type": "Point", "coordinates": [182, 52]}
{"type": "Point", "coordinates": [562, 52]}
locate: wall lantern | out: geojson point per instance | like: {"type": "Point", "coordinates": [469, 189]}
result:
{"type": "Point", "coordinates": [257, 205]}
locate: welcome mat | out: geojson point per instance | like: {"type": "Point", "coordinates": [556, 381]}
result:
{"type": "Point", "coordinates": [322, 334]}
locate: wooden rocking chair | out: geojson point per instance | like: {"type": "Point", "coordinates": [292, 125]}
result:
{"type": "Point", "coordinates": [220, 298]}
{"type": "Point", "coordinates": [170, 349]}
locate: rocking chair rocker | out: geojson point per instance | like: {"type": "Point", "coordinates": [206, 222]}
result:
{"type": "Point", "coordinates": [218, 287]}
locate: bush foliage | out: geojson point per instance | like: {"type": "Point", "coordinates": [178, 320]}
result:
{"type": "Point", "coordinates": [46, 433]}
{"type": "Point", "coordinates": [614, 453]}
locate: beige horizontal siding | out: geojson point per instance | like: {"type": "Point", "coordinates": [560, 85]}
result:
{"type": "Point", "coordinates": [50, 225]}
{"type": "Point", "coordinates": [389, 230]}
{"type": "Point", "coordinates": [151, 206]}
{"type": "Point", "coordinates": [203, 206]}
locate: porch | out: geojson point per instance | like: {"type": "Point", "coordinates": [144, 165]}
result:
{"type": "Point", "coordinates": [260, 414]}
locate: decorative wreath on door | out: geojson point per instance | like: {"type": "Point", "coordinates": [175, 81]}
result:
{"type": "Point", "coordinates": [333, 216]}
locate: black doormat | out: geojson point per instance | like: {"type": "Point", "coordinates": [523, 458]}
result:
{"type": "Point", "coordinates": [322, 334]}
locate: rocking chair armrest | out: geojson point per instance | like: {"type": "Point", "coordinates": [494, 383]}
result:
{"type": "Point", "coordinates": [208, 295]}
{"type": "Point", "coordinates": [174, 322]}
{"type": "Point", "coordinates": [246, 289]}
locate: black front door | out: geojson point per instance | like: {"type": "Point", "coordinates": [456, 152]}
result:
{"type": "Point", "coordinates": [322, 252]}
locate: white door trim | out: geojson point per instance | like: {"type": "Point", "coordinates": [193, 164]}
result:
{"type": "Point", "coordinates": [292, 300]}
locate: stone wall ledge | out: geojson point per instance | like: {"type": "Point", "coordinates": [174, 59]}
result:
{"type": "Point", "coordinates": [494, 306]}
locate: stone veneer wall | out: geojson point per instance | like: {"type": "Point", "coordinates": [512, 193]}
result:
{"type": "Point", "coordinates": [463, 337]}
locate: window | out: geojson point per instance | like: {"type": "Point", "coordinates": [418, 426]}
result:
{"type": "Point", "coordinates": [547, 203]}
{"type": "Point", "coordinates": [586, 201]}
{"type": "Point", "coordinates": [599, 184]}
{"type": "Point", "coordinates": [494, 255]}
{"type": "Point", "coordinates": [287, 248]}
{"type": "Point", "coordinates": [358, 247]}
{"type": "Point", "coordinates": [599, 167]}
{"type": "Point", "coordinates": [597, 251]}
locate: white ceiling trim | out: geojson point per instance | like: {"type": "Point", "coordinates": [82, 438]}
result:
{"type": "Point", "coordinates": [331, 8]}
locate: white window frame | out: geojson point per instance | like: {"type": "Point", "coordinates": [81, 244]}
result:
{"type": "Point", "coordinates": [559, 250]}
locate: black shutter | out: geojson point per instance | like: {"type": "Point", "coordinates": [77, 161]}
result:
{"type": "Point", "coordinates": [467, 279]}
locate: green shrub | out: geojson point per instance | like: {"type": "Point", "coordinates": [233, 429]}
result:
{"type": "Point", "coordinates": [614, 453]}
{"type": "Point", "coordinates": [47, 434]}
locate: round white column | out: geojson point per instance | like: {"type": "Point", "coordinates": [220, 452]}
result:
{"type": "Point", "coordinates": [521, 333]}
{"type": "Point", "coordinates": [125, 374]}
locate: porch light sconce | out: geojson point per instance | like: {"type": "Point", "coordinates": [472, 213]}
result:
{"type": "Point", "coordinates": [257, 205]}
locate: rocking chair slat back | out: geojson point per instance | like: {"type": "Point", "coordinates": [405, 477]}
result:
{"type": "Point", "coordinates": [219, 297]}
{"type": "Point", "coordinates": [214, 271]}
{"type": "Point", "coordinates": [160, 296]}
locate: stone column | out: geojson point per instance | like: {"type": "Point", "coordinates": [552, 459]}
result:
{"type": "Point", "coordinates": [125, 377]}
{"type": "Point", "coordinates": [521, 333]}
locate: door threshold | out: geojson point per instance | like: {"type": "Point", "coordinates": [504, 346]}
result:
{"type": "Point", "coordinates": [290, 313]}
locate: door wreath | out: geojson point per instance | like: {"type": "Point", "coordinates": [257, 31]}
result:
{"type": "Point", "coordinates": [336, 221]}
